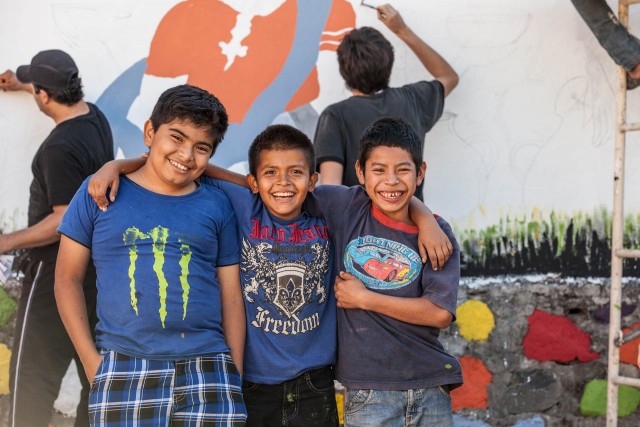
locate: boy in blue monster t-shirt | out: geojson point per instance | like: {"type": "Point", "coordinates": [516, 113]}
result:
{"type": "Point", "coordinates": [287, 277]}
{"type": "Point", "coordinates": [171, 327]}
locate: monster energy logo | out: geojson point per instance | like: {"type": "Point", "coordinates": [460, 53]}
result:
{"type": "Point", "coordinates": [159, 236]}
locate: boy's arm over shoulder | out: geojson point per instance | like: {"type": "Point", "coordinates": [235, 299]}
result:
{"type": "Point", "coordinates": [441, 287]}
{"type": "Point", "coordinates": [433, 243]}
{"type": "Point", "coordinates": [108, 177]}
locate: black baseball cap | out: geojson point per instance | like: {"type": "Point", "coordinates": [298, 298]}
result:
{"type": "Point", "coordinates": [53, 69]}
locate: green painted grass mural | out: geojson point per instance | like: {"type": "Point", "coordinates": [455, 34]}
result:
{"type": "Point", "coordinates": [573, 245]}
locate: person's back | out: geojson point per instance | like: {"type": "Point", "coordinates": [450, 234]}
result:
{"type": "Point", "coordinates": [391, 306]}
{"type": "Point", "coordinates": [170, 310]}
{"type": "Point", "coordinates": [80, 144]}
{"type": "Point", "coordinates": [365, 58]}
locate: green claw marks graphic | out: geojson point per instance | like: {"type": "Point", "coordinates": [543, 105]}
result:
{"type": "Point", "coordinates": [184, 273]}
{"type": "Point", "coordinates": [159, 236]}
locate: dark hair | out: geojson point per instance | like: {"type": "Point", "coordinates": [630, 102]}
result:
{"type": "Point", "coordinates": [69, 96]}
{"type": "Point", "coordinates": [281, 137]}
{"type": "Point", "coordinates": [391, 132]}
{"type": "Point", "coordinates": [194, 105]}
{"type": "Point", "coordinates": [365, 58]}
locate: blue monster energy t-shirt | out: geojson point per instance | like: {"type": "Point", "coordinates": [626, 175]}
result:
{"type": "Point", "coordinates": [287, 275]}
{"type": "Point", "coordinates": [156, 258]}
{"type": "Point", "coordinates": [376, 351]}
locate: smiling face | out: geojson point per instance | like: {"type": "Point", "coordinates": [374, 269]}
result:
{"type": "Point", "coordinates": [282, 179]}
{"type": "Point", "coordinates": [390, 178]}
{"type": "Point", "coordinates": [178, 154]}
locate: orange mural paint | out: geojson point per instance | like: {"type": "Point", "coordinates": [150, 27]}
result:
{"type": "Point", "coordinates": [473, 393]}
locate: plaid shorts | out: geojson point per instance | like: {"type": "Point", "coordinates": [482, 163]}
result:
{"type": "Point", "coordinates": [204, 391]}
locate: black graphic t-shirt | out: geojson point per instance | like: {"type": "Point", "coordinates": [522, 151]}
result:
{"type": "Point", "coordinates": [376, 351]}
{"type": "Point", "coordinates": [286, 270]}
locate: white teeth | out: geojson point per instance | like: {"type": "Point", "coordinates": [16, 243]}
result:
{"type": "Point", "coordinates": [391, 195]}
{"type": "Point", "coordinates": [282, 194]}
{"type": "Point", "coordinates": [178, 165]}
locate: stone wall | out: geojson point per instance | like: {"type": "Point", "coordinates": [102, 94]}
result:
{"type": "Point", "coordinates": [533, 351]}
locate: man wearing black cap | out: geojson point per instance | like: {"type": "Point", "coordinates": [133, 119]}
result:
{"type": "Point", "coordinates": [80, 144]}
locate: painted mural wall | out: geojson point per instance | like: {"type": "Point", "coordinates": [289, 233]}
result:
{"type": "Point", "coordinates": [521, 161]}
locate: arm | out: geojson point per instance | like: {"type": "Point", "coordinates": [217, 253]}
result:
{"type": "Point", "coordinates": [432, 241]}
{"type": "Point", "coordinates": [9, 81]}
{"type": "Point", "coordinates": [331, 172]}
{"type": "Point", "coordinates": [70, 270]}
{"type": "Point", "coordinates": [216, 172]}
{"type": "Point", "coordinates": [108, 176]}
{"type": "Point", "coordinates": [233, 316]}
{"type": "Point", "coordinates": [40, 234]}
{"type": "Point", "coordinates": [351, 293]}
{"type": "Point", "coordinates": [430, 59]}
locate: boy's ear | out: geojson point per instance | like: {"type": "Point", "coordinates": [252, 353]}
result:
{"type": "Point", "coordinates": [313, 180]}
{"type": "Point", "coordinates": [253, 183]}
{"type": "Point", "coordinates": [421, 172]}
{"type": "Point", "coordinates": [359, 172]}
{"type": "Point", "coordinates": [148, 133]}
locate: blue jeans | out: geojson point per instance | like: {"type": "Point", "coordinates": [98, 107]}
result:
{"type": "Point", "coordinates": [621, 46]}
{"type": "Point", "coordinates": [426, 407]}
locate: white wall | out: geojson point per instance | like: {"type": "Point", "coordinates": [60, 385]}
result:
{"type": "Point", "coordinates": [529, 126]}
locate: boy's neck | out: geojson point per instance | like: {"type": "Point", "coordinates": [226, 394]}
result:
{"type": "Point", "coordinates": [148, 180]}
{"type": "Point", "coordinates": [403, 223]}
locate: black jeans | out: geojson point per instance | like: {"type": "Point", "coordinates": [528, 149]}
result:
{"type": "Point", "coordinates": [305, 401]}
{"type": "Point", "coordinates": [42, 350]}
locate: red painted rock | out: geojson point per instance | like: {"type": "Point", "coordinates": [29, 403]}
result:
{"type": "Point", "coordinates": [556, 338]}
{"type": "Point", "coordinates": [473, 393]}
{"type": "Point", "coordinates": [629, 351]}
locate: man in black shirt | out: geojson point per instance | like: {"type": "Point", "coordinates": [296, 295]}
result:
{"type": "Point", "coordinates": [80, 144]}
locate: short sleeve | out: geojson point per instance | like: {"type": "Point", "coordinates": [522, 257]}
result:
{"type": "Point", "coordinates": [79, 219]}
{"type": "Point", "coordinates": [430, 99]}
{"type": "Point", "coordinates": [228, 243]}
{"type": "Point", "coordinates": [329, 140]}
{"type": "Point", "coordinates": [441, 287]}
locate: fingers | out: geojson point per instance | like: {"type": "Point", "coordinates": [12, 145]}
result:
{"type": "Point", "coordinates": [115, 184]}
{"type": "Point", "coordinates": [346, 276]}
{"type": "Point", "coordinates": [424, 252]}
{"type": "Point", "coordinates": [98, 196]}
{"type": "Point", "coordinates": [433, 257]}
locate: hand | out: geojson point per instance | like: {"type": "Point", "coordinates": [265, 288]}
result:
{"type": "Point", "coordinates": [391, 18]}
{"type": "Point", "coordinates": [9, 81]}
{"type": "Point", "coordinates": [350, 292]}
{"type": "Point", "coordinates": [434, 244]}
{"type": "Point", "coordinates": [91, 366]}
{"type": "Point", "coordinates": [108, 176]}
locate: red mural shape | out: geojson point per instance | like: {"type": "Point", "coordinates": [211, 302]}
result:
{"type": "Point", "coordinates": [473, 393]}
{"type": "Point", "coordinates": [629, 350]}
{"type": "Point", "coordinates": [189, 40]}
{"type": "Point", "coordinates": [556, 338]}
